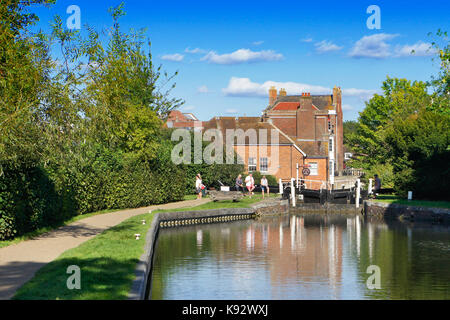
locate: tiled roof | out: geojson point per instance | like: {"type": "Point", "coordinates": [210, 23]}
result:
{"type": "Point", "coordinates": [322, 102]}
{"type": "Point", "coordinates": [246, 123]}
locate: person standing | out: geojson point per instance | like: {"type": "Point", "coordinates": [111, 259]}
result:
{"type": "Point", "coordinates": [198, 186]}
{"type": "Point", "coordinates": [239, 184]}
{"type": "Point", "coordinates": [377, 187]}
{"type": "Point", "coordinates": [250, 184]}
{"type": "Point", "coordinates": [265, 186]}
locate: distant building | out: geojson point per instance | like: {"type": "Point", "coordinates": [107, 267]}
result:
{"type": "Point", "coordinates": [179, 120]}
{"type": "Point", "coordinates": [306, 130]}
{"type": "Point", "coordinates": [310, 136]}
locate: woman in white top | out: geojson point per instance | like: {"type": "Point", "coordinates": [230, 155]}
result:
{"type": "Point", "coordinates": [265, 186]}
{"type": "Point", "coordinates": [250, 184]}
{"type": "Point", "coordinates": [198, 186]}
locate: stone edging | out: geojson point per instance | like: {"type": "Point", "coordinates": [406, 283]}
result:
{"type": "Point", "coordinates": [178, 218]}
{"type": "Point", "coordinates": [406, 212]}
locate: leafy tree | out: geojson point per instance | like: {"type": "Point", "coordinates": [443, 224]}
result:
{"type": "Point", "coordinates": [420, 146]}
{"type": "Point", "coordinates": [400, 98]}
{"type": "Point", "coordinates": [441, 82]}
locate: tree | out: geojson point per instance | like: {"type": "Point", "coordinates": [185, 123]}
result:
{"type": "Point", "coordinates": [400, 98]}
{"type": "Point", "coordinates": [420, 147]}
{"type": "Point", "coordinates": [441, 82]}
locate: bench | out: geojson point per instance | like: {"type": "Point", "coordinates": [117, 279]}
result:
{"type": "Point", "coordinates": [225, 195]}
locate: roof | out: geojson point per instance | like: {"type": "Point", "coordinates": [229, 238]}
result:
{"type": "Point", "coordinates": [246, 123]}
{"type": "Point", "coordinates": [321, 102]}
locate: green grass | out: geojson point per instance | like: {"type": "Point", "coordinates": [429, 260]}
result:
{"type": "Point", "coordinates": [107, 263]}
{"type": "Point", "coordinates": [246, 202]}
{"type": "Point", "coordinates": [416, 203]}
{"type": "Point", "coordinates": [41, 231]}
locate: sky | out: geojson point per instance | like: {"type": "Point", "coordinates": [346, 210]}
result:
{"type": "Point", "coordinates": [229, 53]}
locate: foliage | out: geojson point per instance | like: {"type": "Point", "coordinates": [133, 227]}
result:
{"type": "Point", "coordinates": [80, 133]}
{"type": "Point", "coordinates": [421, 146]}
{"type": "Point", "coordinates": [211, 173]}
{"type": "Point", "coordinates": [270, 179]}
{"type": "Point", "coordinates": [400, 98]}
{"type": "Point", "coordinates": [441, 82]}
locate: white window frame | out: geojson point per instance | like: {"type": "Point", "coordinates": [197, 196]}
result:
{"type": "Point", "coordinates": [264, 164]}
{"type": "Point", "coordinates": [252, 165]}
{"type": "Point", "coordinates": [314, 168]}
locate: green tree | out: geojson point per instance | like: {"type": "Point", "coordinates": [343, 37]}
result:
{"type": "Point", "coordinates": [400, 98]}
{"type": "Point", "coordinates": [420, 147]}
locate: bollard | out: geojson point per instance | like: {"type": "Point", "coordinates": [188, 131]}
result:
{"type": "Point", "coordinates": [409, 195]}
{"type": "Point", "coordinates": [370, 186]}
{"type": "Point", "coordinates": [293, 192]}
{"type": "Point", "coordinates": [358, 192]}
{"type": "Point", "coordinates": [281, 187]}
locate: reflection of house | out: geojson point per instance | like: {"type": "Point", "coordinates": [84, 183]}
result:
{"type": "Point", "coordinates": [300, 254]}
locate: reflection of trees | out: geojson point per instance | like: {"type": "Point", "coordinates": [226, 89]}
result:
{"type": "Point", "coordinates": [414, 261]}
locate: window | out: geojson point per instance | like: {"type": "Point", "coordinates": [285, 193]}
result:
{"type": "Point", "coordinates": [251, 164]}
{"type": "Point", "coordinates": [263, 164]}
{"type": "Point", "coordinates": [313, 168]}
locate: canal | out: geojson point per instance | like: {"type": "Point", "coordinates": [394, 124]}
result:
{"type": "Point", "coordinates": [302, 257]}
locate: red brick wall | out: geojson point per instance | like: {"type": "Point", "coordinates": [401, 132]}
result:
{"type": "Point", "coordinates": [287, 125]}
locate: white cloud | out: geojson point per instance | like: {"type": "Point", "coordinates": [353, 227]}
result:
{"type": "Point", "coordinates": [257, 43]}
{"type": "Point", "coordinates": [419, 49]}
{"type": "Point", "coordinates": [173, 57]}
{"type": "Point", "coordinates": [347, 107]}
{"type": "Point", "coordinates": [326, 46]}
{"type": "Point", "coordinates": [361, 93]}
{"type": "Point", "coordinates": [244, 87]}
{"type": "Point", "coordinates": [242, 56]}
{"type": "Point", "coordinates": [306, 40]}
{"type": "Point", "coordinates": [231, 111]}
{"type": "Point", "coordinates": [374, 46]}
{"type": "Point", "coordinates": [203, 89]}
{"type": "Point", "coordinates": [196, 50]}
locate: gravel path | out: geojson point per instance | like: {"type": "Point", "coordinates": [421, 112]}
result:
{"type": "Point", "coordinates": [19, 262]}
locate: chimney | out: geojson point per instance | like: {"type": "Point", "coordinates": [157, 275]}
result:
{"type": "Point", "coordinates": [282, 92]}
{"type": "Point", "coordinates": [272, 95]}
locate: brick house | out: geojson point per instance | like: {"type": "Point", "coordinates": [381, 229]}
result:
{"type": "Point", "coordinates": [293, 133]}
{"type": "Point", "coordinates": [301, 131]}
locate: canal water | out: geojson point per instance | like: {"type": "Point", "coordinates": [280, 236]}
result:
{"type": "Point", "coordinates": [303, 257]}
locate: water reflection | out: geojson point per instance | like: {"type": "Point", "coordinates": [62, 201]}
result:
{"type": "Point", "coordinates": [302, 257]}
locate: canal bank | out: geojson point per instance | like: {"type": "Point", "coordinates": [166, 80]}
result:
{"type": "Point", "coordinates": [404, 212]}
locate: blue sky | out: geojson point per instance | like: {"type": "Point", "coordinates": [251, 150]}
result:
{"type": "Point", "coordinates": [228, 53]}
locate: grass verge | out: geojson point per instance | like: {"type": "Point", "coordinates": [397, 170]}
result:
{"type": "Point", "coordinates": [107, 263]}
{"type": "Point", "coordinates": [417, 203]}
{"type": "Point", "coordinates": [41, 231]}
{"type": "Point", "coordinates": [246, 202]}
